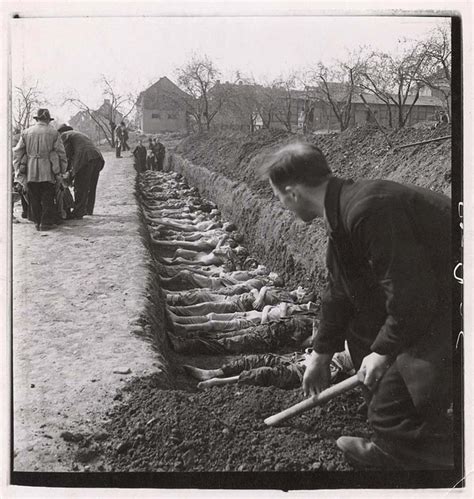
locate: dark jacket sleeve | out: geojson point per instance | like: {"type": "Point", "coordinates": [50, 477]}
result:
{"type": "Point", "coordinates": [336, 311]}
{"type": "Point", "coordinates": [401, 266]}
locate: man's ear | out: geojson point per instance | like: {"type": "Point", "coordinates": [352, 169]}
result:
{"type": "Point", "coordinates": [292, 190]}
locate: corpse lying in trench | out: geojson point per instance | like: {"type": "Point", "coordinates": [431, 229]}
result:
{"type": "Point", "coordinates": [294, 332]}
{"type": "Point", "coordinates": [227, 252]}
{"type": "Point", "coordinates": [217, 297]}
{"type": "Point", "coordinates": [282, 371]}
{"type": "Point", "coordinates": [212, 278]}
{"type": "Point", "coordinates": [213, 322]}
{"type": "Point", "coordinates": [253, 300]}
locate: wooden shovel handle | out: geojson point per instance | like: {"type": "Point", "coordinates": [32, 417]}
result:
{"type": "Point", "coordinates": [315, 400]}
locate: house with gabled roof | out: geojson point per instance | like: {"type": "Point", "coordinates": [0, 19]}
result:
{"type": "Point", "coordinates": [162, 108]}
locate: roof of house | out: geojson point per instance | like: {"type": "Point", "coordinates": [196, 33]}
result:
{"type": "Point", "coordinates": [103, 111]}
{"type": "Point", "coordinates": [338, 92]}
{"type": "Point", "coordinates": [162, 94]}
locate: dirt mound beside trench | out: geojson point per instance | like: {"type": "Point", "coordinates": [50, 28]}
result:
{"type": "Point", "coordinates": [294, 249]}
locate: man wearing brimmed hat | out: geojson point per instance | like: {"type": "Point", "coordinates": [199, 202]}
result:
{"type": "Point", "coordinates": [40, 155]}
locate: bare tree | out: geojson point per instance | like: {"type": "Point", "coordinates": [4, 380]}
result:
{"type": "Point", "coordinates": [116, 107]}
{"type": "Point", "coordinates": [26, 99]}
{"type": "Point", "coordinates": [284, 110]}
{"type": "Point", "coordinates": [336, 87]}
{"type": "Point", "coordinates": [275, 102]}
{"type": "Point", "coordinates": [242, 101]}
{"type": "Point", "coordinates": [435, 72]}
{"type": "Point", "coordinates": [204, 98]}
{"type": "Point", "coordinates": [393, 79]}
{"type": "Point", "coordinates": [267, 102]}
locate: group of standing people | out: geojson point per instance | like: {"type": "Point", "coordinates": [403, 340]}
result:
{"type": "Point", "coordinates": [46, 162]}
{"type": "Point", "coordinates": [151, 159]}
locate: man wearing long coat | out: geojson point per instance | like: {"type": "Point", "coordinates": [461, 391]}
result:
{"type": "Point", "coordinates": [86, 163]}
{"type": "Point", "coordinates": [40, 156]}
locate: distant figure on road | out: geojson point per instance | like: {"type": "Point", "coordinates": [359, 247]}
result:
{"type": "Point", "coordinates": [86, 162]}
{"type": "Point", "coordinates": [140, 157]}
{"type": "Point", "coordinates": [121, 137]}
{"type": "Point", "coordinates": [159, 152]}
{"type": "Point", "coordinates": [33, 157]}
{"type": "Point", "coordinates": [125, 146]}
{"type": "Point", "coordinates": [150, 159]}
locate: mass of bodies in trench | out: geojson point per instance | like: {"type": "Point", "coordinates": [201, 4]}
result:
{"type": "Point", "coordinates": [219, 299]}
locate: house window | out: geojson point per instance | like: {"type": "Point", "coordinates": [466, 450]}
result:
{"type": "Point", "coordinates": [172, 116]}
{"type": "Point", "coordinates": [155, 116]}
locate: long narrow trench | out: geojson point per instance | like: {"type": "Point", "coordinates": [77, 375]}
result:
{"type": "Point", "coordinates": [168, 202]}
{"type": "Point", "coordinates": [178, 427]}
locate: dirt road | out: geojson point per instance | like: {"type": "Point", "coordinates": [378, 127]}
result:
{"type": "Point", "coordinates": [76, 291]}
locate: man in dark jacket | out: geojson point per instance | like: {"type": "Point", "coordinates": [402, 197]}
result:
{"type": "Point", "coordinates": [86, 163]}
{"type": "Point", "coordinates": [159, 152]}
{"type": "Point", "coordinates": [140, 157]}
{"type": "Point", "coordinates": [389, 296]}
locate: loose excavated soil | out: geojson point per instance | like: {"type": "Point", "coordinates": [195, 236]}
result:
{"type": "Point", "coordinates": [222, 429]}
{"type": "Point", "coordinates": [360, 152]}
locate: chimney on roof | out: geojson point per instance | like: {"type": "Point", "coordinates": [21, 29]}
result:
{"type": "Point", "coordinates": [107, 101]}
{"type": "Point", "coordinates": [218, 82]}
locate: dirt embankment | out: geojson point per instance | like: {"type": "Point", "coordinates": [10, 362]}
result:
{"type": "Point", "coordinates": [225, 169]}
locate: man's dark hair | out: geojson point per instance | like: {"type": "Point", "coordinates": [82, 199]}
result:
{"type": "Point", "coordinates": [297, 163]}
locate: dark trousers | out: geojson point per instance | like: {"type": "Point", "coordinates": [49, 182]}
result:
{"type": "Point", "coordinates": [265, 370]}
{"type": "Point", "coordinates": [415, 434]}
{"type": "Point", "coordinates": [85, 185]}
{"type": "Point", "coordinates": [118, 150]}
{"type": "Point", "coordinates": [150, 162]}
{"type": "Point", "coordinates": [97, 167]}
{"type": "Point", "coordinates": [140, 164]}
{"type": "Point", "coordinates": [24, 205]}
{"type": "Point", "coordinates": [41, 198]}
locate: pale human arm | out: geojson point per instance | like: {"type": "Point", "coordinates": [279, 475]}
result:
{"type": "Point", "coordinates": [260, 300]}
{"type": "Point", "coordinates": [265, 312]}
{"type": "Point", "coordinates": [221, 241]}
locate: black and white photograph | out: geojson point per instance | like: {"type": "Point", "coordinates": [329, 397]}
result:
{"type": "Point", "coordinates": [235, 250]}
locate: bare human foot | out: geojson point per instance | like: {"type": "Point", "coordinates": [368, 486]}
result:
{"type": "Point", "coordinates": [217, 382]}
{"type": "Point", "coordinates": [201, 374]}
{"type": "Point", "coordinates": [207, 384]}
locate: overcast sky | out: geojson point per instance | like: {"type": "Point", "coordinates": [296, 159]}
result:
{"type": "Point", "coordinates": [68, 55]}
